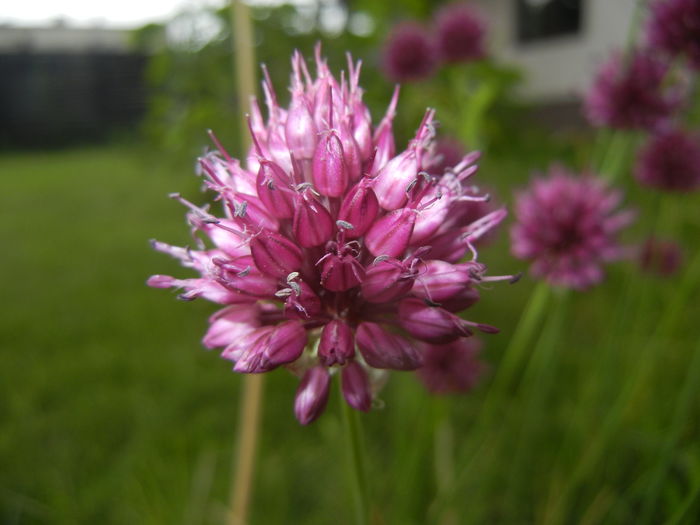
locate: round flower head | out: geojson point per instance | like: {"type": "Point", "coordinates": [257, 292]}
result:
{"type": "Point", "coordinates": [670, 161]}
{"type": "Point", "coordinates": [628, 93]}
{"type": "Point", "coordinates": [333, 254]}
{"type": "Point", "coordinates": [660, 257]}
{"type": "Point", "coordinates": [567, 226]}
{"type": "Point", "coordinates": [460, 34]}
{"type": "Point", "coordinates": [453, 368]}
{"type": "Point", "coordinates": [409, 53]}
{"type": "Point", "coordinates": [674, 28]}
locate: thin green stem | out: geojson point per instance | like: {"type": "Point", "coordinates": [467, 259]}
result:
{"type": "Point", "coordinates": [680, 419]}
{"type": "Point", "coordinates": [514, 355]}
{"type": "Point", "coordinates": [251, 398]}
{"type": "Point", "coordinates": [356, 462]}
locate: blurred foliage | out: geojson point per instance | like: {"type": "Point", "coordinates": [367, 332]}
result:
{"type": "Point", "coordinates": [193, 89]}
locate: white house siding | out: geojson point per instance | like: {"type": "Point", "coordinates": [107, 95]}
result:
{"type": "Point", "coordinates": [560, 68]}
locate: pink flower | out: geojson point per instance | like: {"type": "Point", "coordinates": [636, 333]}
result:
{"type": "Point", "coordinates": [567, 226]}
{"type": "Point", "coordinates": [674, 28]}
{"type": "Point", "coordinates": [670, 161]}
{"type": "Point", "coordinates": [629, 93]}
{"type": "Point", "coordinates": [460, 33]}
{"type": "Point", "coordinates": [452, 368]}
{"type": "Point", "coordinates": [660, 256]}
{"type": "Point", "coordinates": [409, 53]}
{"type": "Point", "coordinates": [332, 252]}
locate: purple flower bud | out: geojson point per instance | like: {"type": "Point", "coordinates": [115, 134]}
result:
{"type": "Point", "coordinates": [351, 151]}
{"type": "Point", "coordinates": [302, 302]}
{"type": "Point", "coordinates": [341, 272]}
{"type": "Point", "coordinates": [313, 224]}
{"type": "Point", "coordinates": [329, 171]}
{"type": "Point", "coordinates": [390, 234]}
{"type": "Point", "coordinates": [287, 342]}
{"type": "Point", "coordinates": [268, 347]}
{"type": "Point", "coordinates": [230, 324]}
{"type": "Point", "coordinates": [466, 298]}
{"type": "Point", "coordinates": [382, 349]}
{"type": "Point", "coordinates": [429, 323]}
{"type": "Point", "coordinates": [394, 179]}
{"type": "Point", "coordinates": [300, 129]}
{"type": "Point", "coordinates": [386, 281]}
{"type": "Point", "coordinates": [337, 344]}
{"type": "Point", "coordinates": [430, 217]}
{"type": "Point", "coordinates": [312, 395]}
{"type": "Point", "coordinates": [440, 280]}
{"type": "Point", "coordinates": [274, 254]}
{"type": "Point", "coordinates": [359, 208]}
{"type": "Point", "coordinates": [251, 208]}
{"type": "Point", "coordinates": [362, 129]}
{"type": "Point", "coordinates": [355, 385]}
{"type": "Point", "coordinates": [241, 276]}
{"type": "Point", "coordinates": [273, 185]}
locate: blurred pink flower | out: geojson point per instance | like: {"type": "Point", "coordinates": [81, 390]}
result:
{"type": "Point", "coordinates": [333, 250]}
{"type": "Point", "coordinates": [629, 93]}
{"type": "Point", "coordinates": [409, 53]}
{"type": "Point", "coordinates": [567, 226]}
{"type": "Point", "coordinates": [459, 33]}
{"type": "Point", "coordinates": [452, 368]}
{"type": "Point", "coordinates": [674, 28]}
{"type": "Point", "coordinates": [661, 257]}
{"type": "Point", "coordinates": [670, 161]}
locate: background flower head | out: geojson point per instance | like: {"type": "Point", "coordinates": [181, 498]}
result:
{"type": "Point", "coordinates": [409, 53]}
{"type": "Point", "coordinates": [670, 161]}
{"type": "Point", "coordinates": [453, 368]}
{"type": "Point", "coordinates": [674, 27]}
{"type": "Point", "coordinates": [567, 226]}
{"type": "Point", "coordinates": [459, 33]}
{"type": "Point", "coordinates": [629, 92]}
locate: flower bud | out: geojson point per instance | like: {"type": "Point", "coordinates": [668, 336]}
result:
{"type": "Point", "coordinates": [273, 185]}
{"type": "Point", "coordinates": [274, 254]}
{"type": "Point", "coordinates": [341, 272]}
{"type": "Point", "coordinates": [337, 344]}
{"type": "Point", "coordinates": [312, 395]}
{"type": "Point", "coordinates": [313, 224]}
{"type": "Point", "coordinates": [466, 298]}
{"type": "Point", "coordinates": [394, 178]}
{"type": "Point", "coordinates": [329, 171]}
{"type": "Point", "coordinates": [441, 280]}
{"type": "Point", "coordinates": [355, 386]}
{"type": "Point", "coordinates": [362, 129]}
{"type": "Point", "coordinates": [302, 303]}
{"type": "Point", "coordinates": [359, 208]}
{"type": "Point", "coordinates": [429, 323]}
{"type": "Point", "coordinates": [241, 275]}
{"type": "Point", "coordinates": [267, 347]}
{"type": "Point", "coordinates": [300, 129]}
{"type": "Point", "coordinates": [390, 234]}
{"type": "Point", "coordinates": [230, 324]}
{"type": "Point", "coordinates": [386, 281]}
{"type": "Point", "coordinates": [382, 349]}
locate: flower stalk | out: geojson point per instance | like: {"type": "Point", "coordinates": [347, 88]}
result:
{"type": "Point", "coordinates": [252, 391]}
{"type": "Point", "coordinates": [356, 462]}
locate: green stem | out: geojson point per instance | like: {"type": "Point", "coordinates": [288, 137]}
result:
{"type": "Point", "coordinates": [520, 343]}
{"type": "Point", "coordinates": [356, 462]}
{"type": "Point", "coordinates": [680, 419]}
{"type": "Point", "coordinates": [536, 383]}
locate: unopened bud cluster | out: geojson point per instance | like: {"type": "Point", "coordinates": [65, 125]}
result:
{"type": "Point", "coordinates": [334, 253]}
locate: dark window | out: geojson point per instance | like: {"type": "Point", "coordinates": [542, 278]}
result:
{"type": "Point", "coordinates": [542, 19]}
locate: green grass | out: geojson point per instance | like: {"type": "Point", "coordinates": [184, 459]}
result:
{"type": "Point", "coordinates": [113, 413]}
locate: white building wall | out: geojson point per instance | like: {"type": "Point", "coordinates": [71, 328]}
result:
{"type": "Point", "coordinates": [62, 39]}
{"type": "Point", "coordinates": [560, 68]}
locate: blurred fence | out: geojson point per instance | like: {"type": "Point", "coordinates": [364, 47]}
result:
{"type": "Point", "coordinates": [54, 99]}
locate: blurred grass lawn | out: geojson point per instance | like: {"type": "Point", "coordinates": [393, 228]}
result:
{"type": "Point", "coordinates": [112, 413]}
